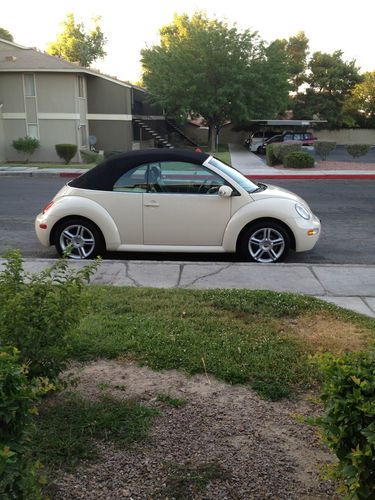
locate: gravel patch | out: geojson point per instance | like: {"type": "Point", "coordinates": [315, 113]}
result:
{"type": "Point", "coordinates": [259, 447]}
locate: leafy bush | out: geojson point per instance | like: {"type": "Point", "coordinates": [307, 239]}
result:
{"type": "Point", "coordinates": [284, 148]}
{"type": "Point", "coordinates": [357, 150]}
{"type": "Point", "coordinates": [349, 421]}
{"type": "Point", "coordinates": [26, 145]}
{"type": "Point", "coordinates": [18, 473]}
{"type": "Point", "coordinates": [299, 160]}
{"type": "Point", "coordinates": [66, 151]}
{"type": "Point", "coordinates": [91, 157]}
{"type": "Point", "coordinates": [324, 148]}
{"type": "Point", "coordinates": [37, 312]}
{"type": "Point", "coordinates": [271, 159]}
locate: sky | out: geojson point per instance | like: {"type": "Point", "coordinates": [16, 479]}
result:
{"type": "Point", "coordinates": [130, 26]}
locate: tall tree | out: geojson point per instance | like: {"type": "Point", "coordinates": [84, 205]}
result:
{"type": "Point", "coordinates": [361, 101]}
{"type": "Point", "coordinates": [76, 44]}
{"type": "Point", "coordinates": [296, 50]}
{"type": "Point", "coordinates": [330, 80]}
{"type": "Point", "coordinates": [6, 35]}
{"type": "Point", "coordinates": [205, 67]}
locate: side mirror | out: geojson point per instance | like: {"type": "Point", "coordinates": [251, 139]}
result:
{"type": "Point", "coordinates": [225, 191]}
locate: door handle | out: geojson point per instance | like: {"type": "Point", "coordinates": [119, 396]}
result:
{"type": "Point", "coordinates": [152, 204]}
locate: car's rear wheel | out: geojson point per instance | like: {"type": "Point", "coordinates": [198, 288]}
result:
{"type": "Point", "coordinates": [265, 242]}
{"type": "Point", "coordinates": [79, 239]}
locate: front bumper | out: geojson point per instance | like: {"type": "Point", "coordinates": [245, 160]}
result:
{"type": "Point", "coordinates": [306, 233]}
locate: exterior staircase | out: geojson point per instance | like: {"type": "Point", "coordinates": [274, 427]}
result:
{"type": "Point", "coordinates": [173, 125]}
{"type": "Point", "coordinates": [163, 142]}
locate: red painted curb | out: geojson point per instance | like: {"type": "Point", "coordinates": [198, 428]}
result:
{"type": "Point", "coordinates": [311, 176]}
{"type": "Point", "coordinates": [69, 174]}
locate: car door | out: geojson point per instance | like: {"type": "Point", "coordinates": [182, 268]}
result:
{"type": "Point", "coordinates": [124, 203]}
{"type": "Point", "coordinates": [183, 206]}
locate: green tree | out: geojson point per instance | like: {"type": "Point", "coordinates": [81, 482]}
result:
{"type": "Point", "coordinates": [76, 44]}
{"type": "Point", "coordinates": [6, 35]}
{"type": "Point", "coordinates": [205, 67]}
{"type": "Point", "coordinates": [330, 81]}
{"type": "Point", "coordinates": [361, 101]}
{"type": "Point", "coordinates": [296, 50]}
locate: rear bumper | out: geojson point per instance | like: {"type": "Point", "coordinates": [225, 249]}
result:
{"type": "Point", "coordinates": [43, 233]}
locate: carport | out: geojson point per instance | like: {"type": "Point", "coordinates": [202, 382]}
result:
{"type": "Point", "coordinates": [283, 126]}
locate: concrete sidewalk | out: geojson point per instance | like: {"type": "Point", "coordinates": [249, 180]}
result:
{"type": "Point", "coordinates": [348, 286]}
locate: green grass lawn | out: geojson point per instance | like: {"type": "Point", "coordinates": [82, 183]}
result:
{"type": "Point", "coordinates": [222, 153]}
{"type": "Point", "coordinates": [263, 339]}
{"type": "Point", "coordinates": [247, 337]}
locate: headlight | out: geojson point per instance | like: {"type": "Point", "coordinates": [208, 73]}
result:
{"type": "Point", "coordinates": [302, 211]}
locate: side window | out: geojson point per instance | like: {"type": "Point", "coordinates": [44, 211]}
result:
{"type": "Point", "coordinates": [133, 181]}
{"type": "Point", "coordinates": [288, 137]}
{"type": "Point", "coordinates": [183, 178]}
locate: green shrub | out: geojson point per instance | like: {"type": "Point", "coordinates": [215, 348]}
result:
{"type": "Point", "coordinates": [37, 312]}
{"type": "Point", "coordinates": [91, 157]}
{"type": "Point", "coordinates": [26, 145]}
{"type": "Point", "coordinates": [299, 160]}
{"type": "Point", "coordinates": [18, 472]}
{"type": "Point", "coordinates": [324, 148]}
{"type": "Point", "coordinates": [271, 159]}
{"type": "Point", "coordinates": [66, 151]}
{"type": "Point", "coordinates": [357, 150]}
{"type": "Point", "coordinates": [349, 420]}
{"type": "Point", "coordinates": [280, 150]}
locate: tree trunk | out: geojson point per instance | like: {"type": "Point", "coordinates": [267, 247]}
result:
{"type": "Point", "coordinates": [212, 136]}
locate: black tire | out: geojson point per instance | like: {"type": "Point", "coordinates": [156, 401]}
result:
{"type": "Point", "coordinates": [268, 235]}
{"type": "Point", "coordinates": [260, 150]}
{"type": "Point", "coordinates": [85, 239]}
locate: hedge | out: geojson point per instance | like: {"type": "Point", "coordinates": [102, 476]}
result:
{"type": "Point", "coordinates": [299, 159]}
{"type": "Point", "coordinates": [324, 148]}
{"type": "Point", "coordinates": [66, 151]}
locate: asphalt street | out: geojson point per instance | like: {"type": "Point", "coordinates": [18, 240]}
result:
{"type": "Point", "coordinates": [345, 207]}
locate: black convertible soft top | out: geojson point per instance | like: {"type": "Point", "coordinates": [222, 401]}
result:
{"type": "Point", "coordinates": [103, 176]}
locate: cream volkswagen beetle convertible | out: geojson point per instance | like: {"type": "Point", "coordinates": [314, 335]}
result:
{"type": "Point", "coordinates": [175, 201]}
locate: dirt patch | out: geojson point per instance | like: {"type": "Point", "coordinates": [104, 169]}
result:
{"type": "Point", "coordinates": [328, 334]}
{"type": "Point", "coordinates": [263, 450]}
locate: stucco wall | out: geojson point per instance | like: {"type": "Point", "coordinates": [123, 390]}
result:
{"type": "Point", "coordinates": [347, 136]}
{"type": "Point", "coordinates": [107, 97]}
{"type": "Point", "coordinates": [51, 132]}
{"type": "Point", "coordinates": [112, 135]}
{"type": "Point", "coordinates": [2, 139]}
{"type": "Point", "coordinates": [56, 92]}
{"type": "Point", "coordinates": [11, 93]}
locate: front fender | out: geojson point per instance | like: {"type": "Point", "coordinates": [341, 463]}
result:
{"type": "Point", "coordinates": [277, 208]}
{"type": "Point", "coordinates": [72, 206]}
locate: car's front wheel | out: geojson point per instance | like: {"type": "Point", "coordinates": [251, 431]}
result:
{"type": "Point", "coordinates": [78, 239]}
{"type": "Point", "coordinates": [265, 242]}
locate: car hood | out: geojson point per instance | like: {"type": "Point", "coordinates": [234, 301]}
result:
{"type": "Point", "coordinates": [277, 192]}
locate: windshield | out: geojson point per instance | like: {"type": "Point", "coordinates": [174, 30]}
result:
{"type": "Point", "coordinates": [246, 184]}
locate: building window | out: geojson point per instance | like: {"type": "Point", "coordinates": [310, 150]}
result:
{"type": "Point", "coordinates": [32, 130]}
{"type": "Point", "coordinates": [29, 85]}
{"type": "Point", "coordinates": [81, 86]}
